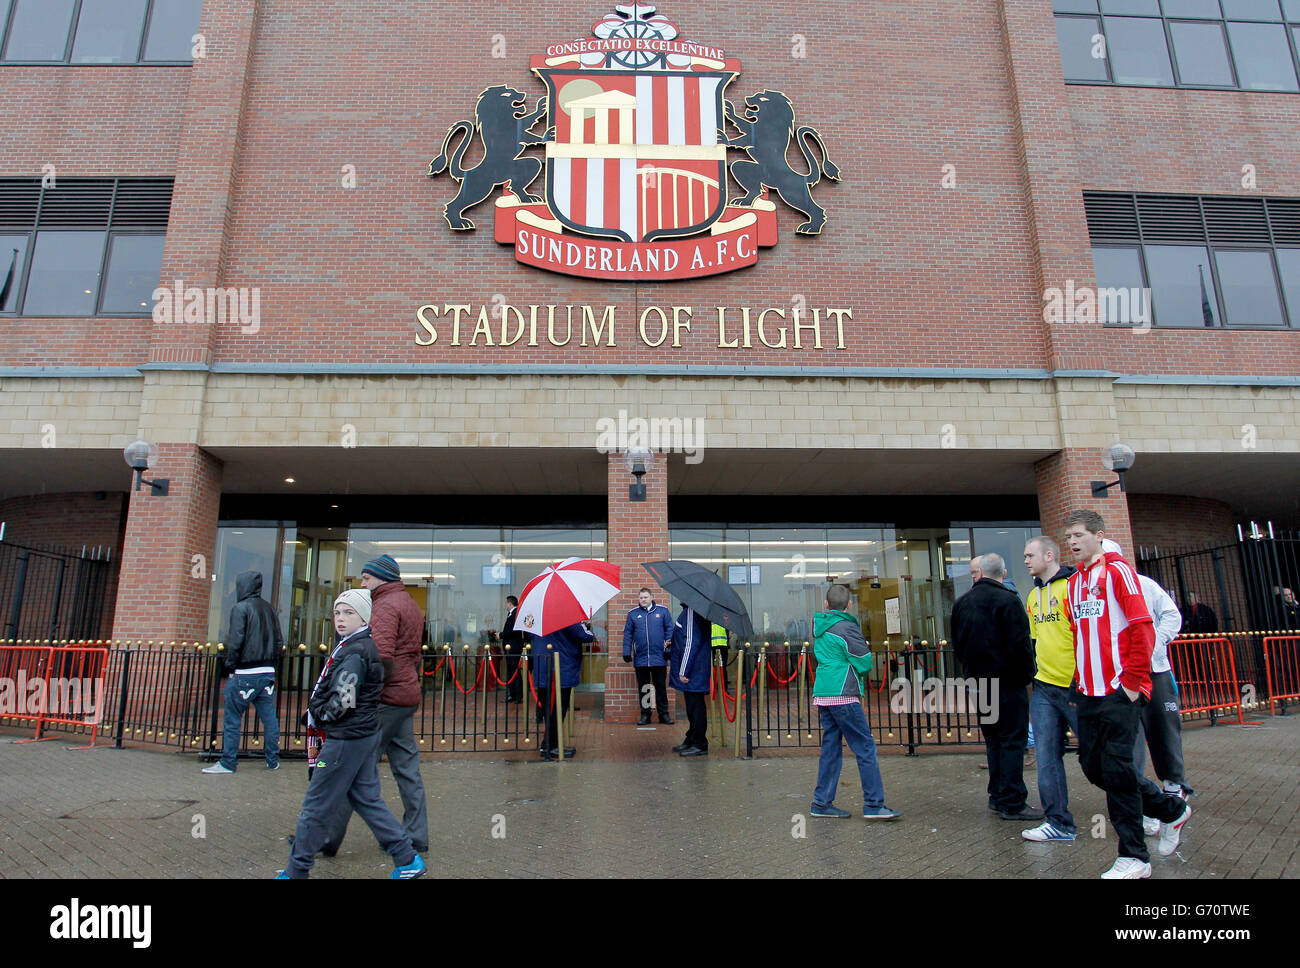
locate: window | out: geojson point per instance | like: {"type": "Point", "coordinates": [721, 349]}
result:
{"type": "Point", "coordinates": [95, 245]}
{"type": "Point", "coordinates": [1232, 44]}
{"type": "Point", "coordinates": [1208, 261]}
{"type": "Point", "coordinates": [98, 31]}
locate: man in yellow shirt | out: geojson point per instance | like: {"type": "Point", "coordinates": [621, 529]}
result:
{"type": "Point", "coordinates": [1053, 705]}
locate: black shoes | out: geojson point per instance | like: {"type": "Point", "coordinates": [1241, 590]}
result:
{"type": "Point", "coordinates": [694, 751]}
{"type": "Point", "coordinates": [644, 720]}
{"type": "Point", "coordinates": [1026, 813]}
{"type": "Point", "coordinates": [664, 718]}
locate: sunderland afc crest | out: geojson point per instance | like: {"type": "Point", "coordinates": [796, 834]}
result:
{"type": "Point", "coordinates": [620, 170]}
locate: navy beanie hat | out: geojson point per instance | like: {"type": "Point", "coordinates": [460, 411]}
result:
{"type": "Point", "coordinates": [384, 568]}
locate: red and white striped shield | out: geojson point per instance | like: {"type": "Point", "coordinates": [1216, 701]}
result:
{"type": "Point", "coordinates": [636, 154]}
{"type": "Point", "coordinates": [565, 594]}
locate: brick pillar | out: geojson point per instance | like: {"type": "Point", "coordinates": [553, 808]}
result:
{"type": "Point", "coordinates": [163, 594]}
{"type": "Point", "coordinates": [638, 532]}
{"type": "Point", "coordinates": [1064, 486]}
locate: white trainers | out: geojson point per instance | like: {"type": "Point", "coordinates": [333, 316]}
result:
{"type": "Point", "coordinates": [1170, 833]}
{"type": "Point", "coordinates": [1127, 869]}
{"type": "Point", "coordinates": [216, 768]}
{"type": "Point", "coordinates": [1045, 832]}
{"type": "Point", "coordinates": [1150, 826]}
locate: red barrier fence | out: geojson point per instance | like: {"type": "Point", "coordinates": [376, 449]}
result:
{"type": "Point", "coordinates": [1205, 669]}
{"type": "Point", "coordinates": [1282, 669]}
{"type": "Point", "coordinates": [53, 685]}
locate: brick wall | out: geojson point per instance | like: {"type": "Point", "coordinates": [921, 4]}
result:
{"type": "Point", "coordinates": [1174, 521]}
{"type": "Point", "coordinates": [1064, 486]}
{"type": "Point", "coordinates": [65, 522]}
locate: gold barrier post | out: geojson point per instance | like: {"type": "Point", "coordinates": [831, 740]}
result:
{"type": "Point", "coordinates": [802, 696]}
{"type": "Point", "coordinates": [525, 686]}
{"type": "Point", "coordinates": [715, 721]}
{"type": "Point", "coordinates": [740, 675]}
{"type": "Point", "coordinates": [556, 692]}
{"type": "Point", "coordinates": [442, 697]}
{"type": "Point", "coordinates": [487, 658]}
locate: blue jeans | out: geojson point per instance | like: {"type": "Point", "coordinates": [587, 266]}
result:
{"type": "Point", "coordinates": [1052, 708]}
{"type": "Point", "coordinates": [847, 723]}
{"type": "Point", "coordinates": [240, 691]}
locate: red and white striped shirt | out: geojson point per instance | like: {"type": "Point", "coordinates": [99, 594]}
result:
{"type": "Point", "coordinates": [1113, 631]}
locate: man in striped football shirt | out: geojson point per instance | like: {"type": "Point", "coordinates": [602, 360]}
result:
{"type": "Point", "coordinates": [1113, 641]}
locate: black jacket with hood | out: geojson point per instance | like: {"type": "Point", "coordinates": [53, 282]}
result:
{"type": "Point", "coordinates": [255, 638]}
{"type": "Point", "coordinates": [345, 704]}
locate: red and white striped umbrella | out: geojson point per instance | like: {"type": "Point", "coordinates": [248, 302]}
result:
{"type": "Point", "coordinates": [565, 594]}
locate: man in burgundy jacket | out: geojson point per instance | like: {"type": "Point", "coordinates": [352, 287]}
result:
{"type": "Point", "coordinates": [397, 626]}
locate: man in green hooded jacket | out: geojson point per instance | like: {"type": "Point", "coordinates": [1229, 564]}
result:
{"type": "Point", "coordinates": [843, 658]}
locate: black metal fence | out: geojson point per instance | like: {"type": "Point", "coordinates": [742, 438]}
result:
{"type": "Point", "coordinates": [1243, 590]}
{"type": "Point", "coordinates": [52, 594]}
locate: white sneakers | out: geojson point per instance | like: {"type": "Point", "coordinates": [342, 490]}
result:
{"type": "Point", "coordinates": [1127, 869]}
{"type": "Point", "coordinates": [216, 768]}
{"type": "Point", "coordinates": [1150, 826]}
{"type": "Point", "coordinates": [1170, 833]}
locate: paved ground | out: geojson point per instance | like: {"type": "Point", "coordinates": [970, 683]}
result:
{"type": "Point", "coordinates": [68, 813]}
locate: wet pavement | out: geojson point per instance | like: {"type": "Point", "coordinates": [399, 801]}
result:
{"type": "Point", "coordinates": [636, 811]}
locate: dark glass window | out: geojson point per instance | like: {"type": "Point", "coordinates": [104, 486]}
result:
{"type": "Point", "coordinates": [1182, 285]}
{"type": "Point", "coordinates": [1075, 36]}
{"type": "Point", "coordinates": [1193, 8]}
{"type": "Point", "coordinates": [13, 256]}
{"type": "Point", "coordinates": [1119, 268]}
{"type": "Point", "coordinates": [1131, 6]}
{"type": "Point", "coordinates": [108, 32]}
{"type": "Point", "coordinates": [39, 30]}
{"type": "Point", "coordinates": [1202, 53]}
{"type": "Point", "coordinates": [1263, 57]}
{"type": "Point", "coordinates": [1251, 10]}
{"type": "Point", "coordinates": [1137, 51]}
{"type": "Point", "coordinates": [1249, 287]}
{"type": "Point", "coordinates": [134, 265]}
{"type": "Point", "coordinates": [1238, 44]}
{"type": "Point", "coordinates": [99, 31]}
{"type": "Point", "coordinates": [172, 26]}
{"type": "Point", "coordinates": [1288, 267]}
{"type": "Point", "coordinates": [65, 274]}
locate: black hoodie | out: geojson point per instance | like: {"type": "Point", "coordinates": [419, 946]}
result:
{"type": "Point", "coordinates": [255, 638]}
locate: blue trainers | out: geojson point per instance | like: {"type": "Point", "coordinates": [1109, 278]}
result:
{"type": "Point", "coordinates": [831, 811]}
{"type": "Point", "coordinates": [880, 813]}
{"type": "Point", "coordinates": [1045, 832]}
{"type": "Point", "coordinates": [415, 868]}
{"type": "Point", "coordinates": [281, 876]}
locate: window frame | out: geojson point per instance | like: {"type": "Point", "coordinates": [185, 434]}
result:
{"type": "Point", "coordinates": [1290, 27]}
{"type": "Point", "coordinates": [109, 235]}
{"type": "Point", "coordinates": [70, 40]}
{"type": "Point", "coordinates": [1270, 251]}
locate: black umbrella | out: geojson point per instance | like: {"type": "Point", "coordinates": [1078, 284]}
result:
{"type": "Point", "coordinates": [704, 591]}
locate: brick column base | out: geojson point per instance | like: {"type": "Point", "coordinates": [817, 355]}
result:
{"type": "Point", "coordinates": [163, 589]}
{"type": "Point", "coordinates": [638, 532]}
{"type": "Point", "coordinates": [1064, 485]}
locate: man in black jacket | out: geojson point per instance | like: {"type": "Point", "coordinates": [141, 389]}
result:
{"type": "Point", "coordinates": [252, 653]}
{"type": "Point", "coordinates": [514, 639]}
{"type": "Point", "coordinates": [990, 635]}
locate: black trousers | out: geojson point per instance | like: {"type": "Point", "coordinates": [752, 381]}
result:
{"type": "Point", "coordinates": [697, 716]}
{"type": "Point", "coordinates": [658, 675]}
{"type": "Point", "coordinates": [1108, 727]}
{"type": "Point", "coordinates": [1004, 746]}
{"type": "Point", "coordinates": [550, 741]}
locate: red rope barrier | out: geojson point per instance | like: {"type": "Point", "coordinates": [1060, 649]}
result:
{"type": "Point", "coordinates": [456, 681]}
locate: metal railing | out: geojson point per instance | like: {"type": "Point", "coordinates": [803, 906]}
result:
{"type": "Point", "coordinates": [54, 595]}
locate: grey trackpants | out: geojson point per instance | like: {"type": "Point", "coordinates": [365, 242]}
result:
{"type": "Point", "coordinates": [397, 742]}
{"type": "Point", "coordinates": [346, 773]}
{"type": "Point", "coordinates": [1162, 730]}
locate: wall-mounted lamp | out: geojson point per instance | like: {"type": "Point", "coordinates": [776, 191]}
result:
{"type": "Point", "coordinates": [1120, 460]}
{"type": "Point", "coordinates": [140, 456]}
{"type": "Point", "coordinates": [636, 461]}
